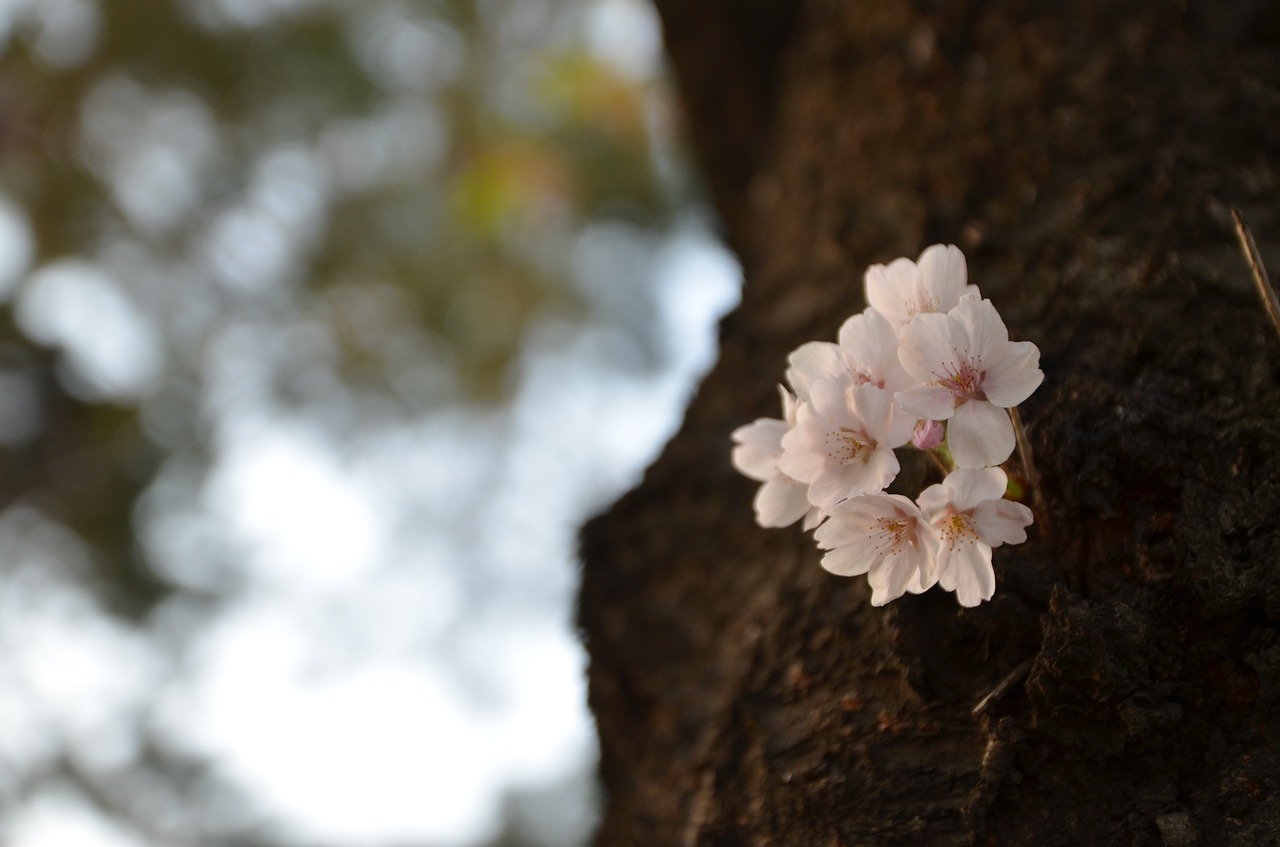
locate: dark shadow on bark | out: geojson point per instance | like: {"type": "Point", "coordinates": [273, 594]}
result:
{"type": "Point", "coordinates": [1086, 157]}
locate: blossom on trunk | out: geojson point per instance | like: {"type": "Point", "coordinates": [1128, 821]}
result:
{"type": "Point", "coordinates": [971, 372]}
{"type": "Point", "coordinates": [934, 284]}
{"type": "Point", "coordinates": [970, 517]}
{"type": "Point", "coordinates": [842, 444]}
{"type": "Point", "coordinates": [884, 536]}
{"type": "Point", "coordinates": [781, 500]}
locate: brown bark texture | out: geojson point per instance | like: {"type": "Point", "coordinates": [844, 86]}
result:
{"type": "Point", "coordinates": [1086, 156]}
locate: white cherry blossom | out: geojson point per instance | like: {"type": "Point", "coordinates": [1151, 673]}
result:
{"type": "Point", "coordinates": [971, 372]}
{"type": "Point", "coordinates": [867, 353]}
{"type": "Point", "coordinates": [781, 500]}
{"type": "Point", "coordinates": [967, 512]}
{"type": "Point", "coordinates": [903, 288]}
{"type": "Point", "coordinates": [927, 357]}
{"type": "Point", "coordinates": [842, 444]}
{"type": "Point", "coordinates": [884, 536]}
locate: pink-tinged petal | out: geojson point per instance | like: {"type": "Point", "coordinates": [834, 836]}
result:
{"type": "Point", "coordinates": [967, 488]}
{"type": "Point", "coordinates": [871, 344]}
{"type": "Point", "coordinates": [828, 490]}
{"type": "Point", "coordinates": [813, 518]}
{"type": "Point", "coordinates": [979, 435]}
{"type": "Point", "coordinates": [928, 401]}
{"type": "Point", "coordinates": [874, 406]}
{"type": "Point", "coordinates": [828, 401]}
{"type": "Point", "coordinates": [1014, 376]}
{"type": "Point", "coordinates": [890, 577]}
{"type": "Point", "coordinates": [902, 426]}
{"type": "Point", "coordinates": [758, 446]}
{"type": "Point", "coordinates": [844, 529]}
{"type": "Point", "coordinates": [983, 332]}
{"type": "Point", "coordinates": [1002, 522]}
{"type": "Point", "coordinates": [870, 476]}
{"type": "Point", "coordinates": [969, 574]}
{"type": "Point", "coordinates": [880, 469]}
{"type": "Point", "coordinates": [812, 362]}
{"type": "Point", "coordinates": [944, 274]}
{"type": "Point", "coordinates": [930, 544]}
{"type": "Point", "coordinates": [869, 508]}
{"type": "Point", "coordinates": [800, 460]}
{"type": "Point", "coordinates": [926, 351]}
{"type": "Point", "coordinates": [790, 405]}
{"type": "Point", "coordinates": [781, 502]}
{"type": "Point", "coordinates": [847, 561]}
{"type": "Point", "coordinates": [919, 584]}
{"type": "Point", "coordinates": [933, 500]}
{"type": "Point", "coordinates": [890, 288]}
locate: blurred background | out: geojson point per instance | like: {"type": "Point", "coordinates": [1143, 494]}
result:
{"type": "Point", "coordinates": [323, 326]}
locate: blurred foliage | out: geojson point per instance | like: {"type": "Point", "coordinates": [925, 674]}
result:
{"type": "Point", "coordinates": [444, 157]}
{"type": "Point", "coordinates": [357, 209]}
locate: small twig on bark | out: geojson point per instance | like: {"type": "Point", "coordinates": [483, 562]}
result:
{"type": "Point", "coordinates": [1002, 687]}
{"type": "Point", "coordinates": [1027, 460]}
{"type": "Point", "coordinates": [1254, 259]}
{"type": "Point", "coordinates": [940, 465]}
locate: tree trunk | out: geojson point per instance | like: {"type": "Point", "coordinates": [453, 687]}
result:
{"type": "Point", "coordinates": [1085, 156]}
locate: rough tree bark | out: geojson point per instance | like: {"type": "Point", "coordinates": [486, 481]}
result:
{"type": "Point", "coordinates": [1085, 155]}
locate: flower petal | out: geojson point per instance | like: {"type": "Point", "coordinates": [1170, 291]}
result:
{"type": "Point", "coordinates": [1012, 377]}
{"type": "Point", "coordinates": [847, 561]}
{"type": "Point", "coordinates": [800, 459]}
{"type": "Point", "coordinates": [874, 406]}
{"type": "Point", "coordinates": [870, 476]}
{"type": "Point", "coordinates": [812, 362]}
{"type": "Point", "coordinates": [982, 332]}
{"type": "Point", "coordinates": [758, 446]}
{"type": "Point", "coordinates": [944, 274]}
{"type": "Point", "coordinates": [847, 527]}
{"type": "Point", "coordinates": [871, 344]}
{"type": "Point", "coordinates": [829, 489]}
{"type": "Point", "coordinates": [869, 508]}
{"type": "Point", "coordinates": [902, 426]}
{"type": "Point", "coordinates": [890, 576]}
{"type": "Point", "coordinates": [1002, 522]}
{"type": "Point", "coordinates": [790, 405]}
{"type": "Point", "coordinates": [969, 574]}
{"type": "Point", "coordinates": [926, 351]}
{"type": "Point", "coordinates": [781, 502]}
{"type": "Point", "coordinates": [933, 500]}
{"type": "Point", "coordinates": [967, 488]}
{"type": "Point", "coordinates": [979, 435]}
{"type": "Point", "coordinates": [928, 401]}
{"type": "Point", "coordinates": [829, 401]}
{"type": "Point", "coordinates": [890, 288]}
{"type": "Point", "coordinates": [882, 467]}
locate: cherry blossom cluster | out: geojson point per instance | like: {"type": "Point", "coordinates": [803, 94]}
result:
{"type": "Point", "coordinates": [929, 364]}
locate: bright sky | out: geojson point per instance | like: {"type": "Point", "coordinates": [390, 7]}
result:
{"type": "Point", "coordinates": [396, 653]}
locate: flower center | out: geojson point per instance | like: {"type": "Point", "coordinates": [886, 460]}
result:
{"type": "Point", "coordinates": [865, 378]}
{"type": "Point", "coordinates": [894, 532]}
{"type": "Point", "coordinates": [922, 303]}
{"type": "Point", "coordinates": [957, 529]}
{"type": "Point", "coordinates": [847, 446]}
{"type": "Point", "coordinates": [966, 383]}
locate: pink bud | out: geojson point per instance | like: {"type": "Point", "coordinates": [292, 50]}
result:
{"type": "Point", "coordinates": [928, 434]}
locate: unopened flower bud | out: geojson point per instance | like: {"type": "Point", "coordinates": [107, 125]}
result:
{"type": "Point", "coordinates": [928, 434]}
